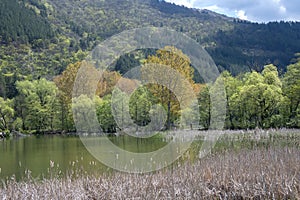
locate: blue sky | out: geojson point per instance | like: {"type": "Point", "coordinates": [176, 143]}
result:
{"type": "Point", "coordinates": [252, 10]}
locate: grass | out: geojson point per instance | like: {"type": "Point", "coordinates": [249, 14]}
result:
{"type": "Point", "coordinates": [267, 168]}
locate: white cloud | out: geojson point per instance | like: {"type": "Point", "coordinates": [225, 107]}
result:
{"type": "Point", "coordinates": [282, 9]}
{"type": "Point", "coordinates": [186, 3]}
{"type": "Point", "coordinates": [214, 8]}
{"type": "Point", "coordinates": [276, 1]}
{"type": "Point", "coordinates": [253, 10]}
{"type": "Point", "coordinates": [241, 14]}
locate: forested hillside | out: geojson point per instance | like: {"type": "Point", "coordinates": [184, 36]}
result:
{"type": "Point", "coordinates": [23, 24]}
{"type": "Point", "coordinates": [45, 40]}
{"type": "Point", "coordinates": [54, 32]}
{"type": "Point", "coordinates": [237, 46]}
{"type": "Point", "coordinates": [251, 45]}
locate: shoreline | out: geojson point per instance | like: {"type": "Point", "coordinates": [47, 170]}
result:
{"type": "Point", "coordinates": [17, 134]}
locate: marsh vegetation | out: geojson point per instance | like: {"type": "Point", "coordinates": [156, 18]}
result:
{"type": "Point", "coordinates": [242, 165]}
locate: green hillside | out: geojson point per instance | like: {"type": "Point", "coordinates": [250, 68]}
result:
{"type": "Point", "coordinates": [18, 22]}
{"type": "Point", "coordinates": [237, 46]}
{"type": "Point", "coordinates": [39, 38]}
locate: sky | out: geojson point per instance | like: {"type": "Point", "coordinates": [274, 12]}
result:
{"type": "Point", "coordinates": [252, 10]}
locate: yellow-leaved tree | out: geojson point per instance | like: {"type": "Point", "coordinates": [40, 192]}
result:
{"type": "Point", "coordinates": [168, 82]}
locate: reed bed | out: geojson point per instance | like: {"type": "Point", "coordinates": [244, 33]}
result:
{"type": "Point", "coordinates": [259, 173]}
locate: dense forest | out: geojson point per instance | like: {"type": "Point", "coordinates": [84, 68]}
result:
{"type": "Point", "coordinates": [253, 99]}
{"type": "Point", "coordinates": [23, 24]}
{"type": "Point", "coordinates": [43, 43]}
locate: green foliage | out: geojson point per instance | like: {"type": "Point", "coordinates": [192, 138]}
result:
{"type": "Point", "coordinates": [260, 97]}
{"type": "Point", "coordinates": [140, 105]}
{"type": "Point", "coordinates": [37, 104]}
{"type": "Point", "coordinates": [46, 36]}
{"type": "Point", "coordinates": [105, 116]}
{"type": "Point", "coordinates": [231, 85]}
{"type": "Point", "coordinates": [120, 109]}
{"type": "Point", "coordinates": [83, 107]}
{"type": "Point", "coordinates": [20, 23]}
{"type": "Point", "coordinates": [256, 99]}
{"type": "Point", "coordinates": [204, 107]}
{"type": "Point", "coordinates": [6, 113]}
{"type": "Point", "coordinates": [17, 124]}
{"type": "Point", "coordinates": [291, 88]}
{"type": "Point", "coordinates": [7, 84]}
{"type": "Point", "coordinates": [249, 46]}
{"type": "Point", "coordinates": [40, 39]}
{"type": "Point", "coordinates": [253, 100]}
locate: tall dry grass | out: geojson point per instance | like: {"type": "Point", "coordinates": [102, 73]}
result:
{"type": "Point", "coordinates": [262, 173]}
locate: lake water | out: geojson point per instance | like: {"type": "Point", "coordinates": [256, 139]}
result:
{"type": "Point", "coordinates": [35, 153]}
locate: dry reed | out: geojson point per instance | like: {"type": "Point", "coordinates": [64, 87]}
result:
{"type": "Point", "coordinates": [261, 173]}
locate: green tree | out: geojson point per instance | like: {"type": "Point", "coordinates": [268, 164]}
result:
{"type": "Point", "coordinates": [140, 105]}
{"type": "Point", "coordinates": [120, 109]}
{"type": "Point", "coordinates": [83, 107]}
{"type": "Point", "coordinates": [231, 85]}
{"type": "Point", "coordinates": [291, 89]}
{"type": "Point", "coordinates": [204, 107]}
{"type": "Point", "coordinates": [6, 113]}
{"type": "Point", "coordinates": [38, 101]}
{"type": "Point", "coordinates": [257, 103]}
{"type": "Point", "coordinates": [105, 116]}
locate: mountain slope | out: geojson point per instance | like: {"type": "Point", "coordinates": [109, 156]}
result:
{"type": "Point", "coordinates": [76, 26]}
{"type": "Point", "coordinates": [235, 45]}
{"type": "Point", "coordinates": [17, 21]}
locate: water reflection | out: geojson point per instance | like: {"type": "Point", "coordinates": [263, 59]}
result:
{"type": "Point", "coordinates": [35, 154]}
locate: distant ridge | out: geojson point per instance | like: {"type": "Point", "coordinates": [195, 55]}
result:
{"type": "Point", "coordinates": [60, 29]}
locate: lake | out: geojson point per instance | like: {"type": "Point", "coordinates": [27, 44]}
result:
{"type": "Point", "coordinates": [35, 153]}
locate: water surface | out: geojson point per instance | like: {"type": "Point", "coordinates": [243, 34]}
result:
{"type": "Point", "coordinates": [35, 153]}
